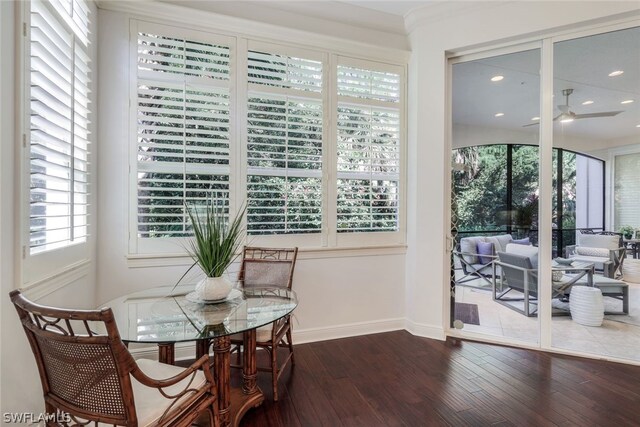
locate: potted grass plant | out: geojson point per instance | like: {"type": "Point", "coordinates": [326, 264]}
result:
{"type": "Point", "coordinates": [214, 246]}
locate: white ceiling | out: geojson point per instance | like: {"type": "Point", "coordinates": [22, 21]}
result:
{"type": "Point", "coordinates": [582, 65]}
{"type": "Point", "coordinates": [400, 8]}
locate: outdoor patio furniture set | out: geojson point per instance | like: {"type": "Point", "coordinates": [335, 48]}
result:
{"type": "Point", "coordinates": [511, 268]}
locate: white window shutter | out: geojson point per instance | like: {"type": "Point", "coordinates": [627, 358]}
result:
{"type": "Point", "coordinates": [368, 150]}
{"type": "Point", "coordinates": [183, 107]}
{"type": "Point", "coordinates": [284, 144]}
{"type": "Point", "coordinates": [60, 77]}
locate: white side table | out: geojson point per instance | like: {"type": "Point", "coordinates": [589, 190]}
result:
{"type": "Point", "coordinates": [587, 305]}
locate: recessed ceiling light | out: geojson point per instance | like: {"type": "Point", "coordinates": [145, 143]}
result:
{"type": "Point", "coordinates": [499, 114]}
{"type": "Point", "coordinates": [638, 126]}
{"type": "Point", "coordinates": [535, 118]}
{"type": "Point", "coordinates": [497, 78]}
{"type": "Point", "coordinates": [589, 102]}
{"type": "Point", "coordinates": [627, 101]}
{"type": "Point", "coordinates": [567, 120]}
{"type": "Point", "coordinates": [616, 73]}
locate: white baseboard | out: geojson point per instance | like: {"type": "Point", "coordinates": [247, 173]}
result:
{"type": "Point", "coordinates": [301, 336]}
{"type": "Point", "coordinates": [424, 330]}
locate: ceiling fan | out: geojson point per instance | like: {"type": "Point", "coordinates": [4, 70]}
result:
{"type": "Point", "coordinates": [566, 115]}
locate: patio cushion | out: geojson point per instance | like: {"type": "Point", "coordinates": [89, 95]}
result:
{"type": "Point", "coordinates": [598, 241]}
{"type": "Point", "coordinates": [485, 248]}
{"type": "Point", "coordinates": [589, 251]}
{"type": "Point", "coordinates": [530, 252]}
{"type": "Point", "coordinates": [469, 245]}
{"type": "Point", "coordinates": [524, 241]}
{"type": "Point", "coordinates": [499, 242]}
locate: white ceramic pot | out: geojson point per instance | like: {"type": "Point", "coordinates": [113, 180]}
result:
{"type": "Point", "coordinates": [213, 288]}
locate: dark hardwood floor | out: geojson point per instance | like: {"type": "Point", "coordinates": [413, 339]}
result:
{"type": "Point", "coordinates": [396, 379]}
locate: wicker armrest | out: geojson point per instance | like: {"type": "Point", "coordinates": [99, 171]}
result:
{"type": "Point", "coordinates": [202, 363]}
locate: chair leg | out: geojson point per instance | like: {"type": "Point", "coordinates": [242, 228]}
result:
{"type": "Point", "coordinates": [293, 360]}
{"type": "Point", "coordinates": [274, 372]}
{"type": "Point", "coordinates": [238, 354]}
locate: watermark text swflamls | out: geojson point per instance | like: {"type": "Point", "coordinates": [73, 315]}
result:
{"type": "Point", "coordinates": [32, 418]}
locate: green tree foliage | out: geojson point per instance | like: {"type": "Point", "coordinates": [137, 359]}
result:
{"type": "Point", "coordinates": [480, 187]}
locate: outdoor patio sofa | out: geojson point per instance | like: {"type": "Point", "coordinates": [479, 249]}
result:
{"type": "Point", "coordinates": [475, 256]}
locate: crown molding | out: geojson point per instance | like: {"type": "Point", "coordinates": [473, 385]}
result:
{"type": "Point", "coordinates": [210, 21]}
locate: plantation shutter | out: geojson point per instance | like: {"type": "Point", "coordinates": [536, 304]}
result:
{"type": "Point", "coordinates": [60, 77]}
{"type": "Point", "coordinates": [368, 150]}
{"type": "Point", "coordinates": [284, 144]}
{"type": "Point", "coordinates": [183, 131]}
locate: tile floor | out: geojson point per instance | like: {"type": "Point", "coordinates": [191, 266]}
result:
{"type": "Point", "coordinates": [613, 338]}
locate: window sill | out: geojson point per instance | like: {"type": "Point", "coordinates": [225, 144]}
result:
{"type": "Point", "coordinates": [176, 259]}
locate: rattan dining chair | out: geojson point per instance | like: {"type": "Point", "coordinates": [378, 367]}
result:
{"type": "Point", "coordinates": [273, 268]}
{"type": "Point", "coordinates": [86, 373]}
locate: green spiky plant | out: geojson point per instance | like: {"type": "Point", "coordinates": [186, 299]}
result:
{"type": "Point", "coordinates": [216, 239]}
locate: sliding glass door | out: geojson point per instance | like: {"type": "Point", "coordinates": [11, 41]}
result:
{"type": "Point", "coordinates": [545, 211]}
{"type": "Point", "coordinates": [596, 87]}
{"type": "Point", "coordinates": [494, 194]}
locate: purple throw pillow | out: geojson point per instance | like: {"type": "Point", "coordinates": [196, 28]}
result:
{"type": "Point", "coordinates": [485, 248]}
{"type": "Point", "coordinates": [524, 241]}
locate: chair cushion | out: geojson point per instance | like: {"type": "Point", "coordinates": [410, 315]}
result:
{"type": "Point", "coordinates": [469, 245]}
{"type": "Point", "coordinates": [500, 242]}
{"type": "Point", "coordinates": [524, 241]}
{"type": "Point", "coordinates": [598, 241]}
{"type": "Point", "coordinates": [529, 251]}
{"type": "Point", "coordinates": [150, 404]}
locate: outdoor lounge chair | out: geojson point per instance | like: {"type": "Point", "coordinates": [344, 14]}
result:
{"type": "Point", "coordinates": [519, 274]}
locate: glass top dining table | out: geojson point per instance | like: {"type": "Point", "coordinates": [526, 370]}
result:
{"type": "Point", "coordinates": [169, 315]}
{"type": "Point", "coordinates": [173, 314]}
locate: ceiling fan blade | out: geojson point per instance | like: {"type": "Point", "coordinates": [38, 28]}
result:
{"type": "Point", "coordinates": [602, 114]}
{"type": "Point", "coordinates": [537, 123]}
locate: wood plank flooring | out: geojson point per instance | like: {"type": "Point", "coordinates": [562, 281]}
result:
{"type": "Point", "coordinates": [396, 379]}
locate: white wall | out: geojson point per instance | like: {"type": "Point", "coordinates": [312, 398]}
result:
{"type": "Point", "coordinates": [339, 295]}
{"type": "Point", "coordinates": [434, 31]}
{"type": "Point", "coordinates": [20, 388]}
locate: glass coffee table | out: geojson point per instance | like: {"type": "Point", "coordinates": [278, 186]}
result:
{"type": "Point", "coordinates": [166, 316]}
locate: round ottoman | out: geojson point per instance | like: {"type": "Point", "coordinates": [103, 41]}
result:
{"type": "Point", "coordinates": [586, 305]}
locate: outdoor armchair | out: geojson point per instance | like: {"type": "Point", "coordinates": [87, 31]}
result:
{"type": "Point", "coordinates": [605, 250]}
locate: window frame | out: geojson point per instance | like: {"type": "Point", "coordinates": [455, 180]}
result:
{"type": "Point", "coordinates": [328, 238]}
{"type": "Point", "coordinates": [57, 267]}
{"type": "Point", "coordinates": [164, 246]}
{"type": "Point", "coordinates": [374, 238]}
